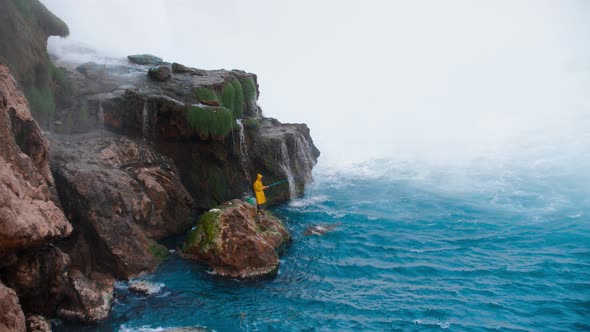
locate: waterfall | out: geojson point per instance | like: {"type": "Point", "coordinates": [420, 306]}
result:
{"type": "Point", "coordinates": [243, 150]}
{"type": "Point", "coordinates": [100, 115]}
{"type": "Point", "coordinates": [286, 167]}
{"type": "Point", "coordinates": [145, 120]}
{"type": "Point", "coordinates": [303, 153]}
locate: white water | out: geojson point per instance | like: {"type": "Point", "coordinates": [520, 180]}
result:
{"type": "Point", "coordinates": [286, 167]}
{"type": "Point", "coordinates": [100, 115]}
{"type": "Point", "coordinates": [145, 120]}
{"type": "Point", "coordinates": [243, 150]}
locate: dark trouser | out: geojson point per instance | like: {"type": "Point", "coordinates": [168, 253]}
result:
{"type": "Point", "coordinates": [260, 208]}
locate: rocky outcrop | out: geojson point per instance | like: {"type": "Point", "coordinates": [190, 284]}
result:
{"type": "Point", "coordinates": [40, 278]}
{"type": "Point", "coordinates": [28, 216]}
{"type": "Point", "coordinates": [145, 59]}
{"type": "Point", "coordinates": [160, 74]}
{"type": "Point", "coordinates": [120, 195]}
{"type": "Point", "coordinates": [89, 300]}
{"type": "Point", "coordinates": [214, 169]}
{"type": "Point", "coordinates": [237, 242]}
{"type": "Point", "coordinates": [182, 69]}
{"type": "Point", "coordinates": [12, 318]}
{"type": "Point", "coordinates": [37, 323]}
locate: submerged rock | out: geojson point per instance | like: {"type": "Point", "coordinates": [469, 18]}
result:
{"type": "Point", "coordinates": [12, 317]}
{"type": "Point", "coordinates": [320, 229]}
{"type": "Point", "coordinates": [236, 242]}
{"type": "Point", "coordinates": [120, 195]}
{"type": "Point", "coordinates": [145, 59]}
{"type": "Point", "coordinates": [29, 216]}
{"type": "Point", "coordinates": [160, 74]}
{"type": "Point", "coordinates": [144, 287]}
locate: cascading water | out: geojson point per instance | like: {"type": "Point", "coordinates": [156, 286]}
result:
{"type": "Point", "coordinates": [145, 120]}
{"type": "Point", "coordinates": [100, 115]}
{"type": "Point", "coordinates": [286, 167]}
{"type": "Point", "coordinates": [243, 149]}
{"type": "Point", "coordinates": [303, 153]}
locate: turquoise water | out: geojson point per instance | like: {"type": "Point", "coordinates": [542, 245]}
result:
{"type": "Point", "coordinates": [464, 249]}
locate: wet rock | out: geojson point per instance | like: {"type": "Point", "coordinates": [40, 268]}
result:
{"type": "Point", "coordinates": [37, 323]}
{"type": "Point", "coordinates": [144, 287]}
{"type": "Point", "coordinates": [237, 242]}
{"type": "Point", "coordinates": [160, 74]}
{"type": "Point", "coordinates": [40, 278]}
{"type": "Point", "coordinates": [12, 317]}
{"type": "Point", "coordinates": [182, 69]}
{"type": "Point", "coordinates": [89, 300]}
{"type": "Point", "coordinates": [145, 59]}
{"type": "Point", "coordinates": [29, 216]}
{"type": "Point", "coordinates": [320, 229]}
{"type": "Point", "coordinates": [120, 194]}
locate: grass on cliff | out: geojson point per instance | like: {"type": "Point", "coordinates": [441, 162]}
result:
{"type": "Point", "coordinates": [238, 106]}
{"type": "Point", "coordinates": [227, 95]}
{"type": "Point", "coordinates": [210, 122]}
{"type": "Point", "coordinates": [249, 90]}
{"type": "Point", "coordinates": [35, 11]}
{"type": "Point", "coordinates": [202, 93]}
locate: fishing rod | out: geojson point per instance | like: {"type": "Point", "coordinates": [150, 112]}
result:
{"type": "Point", "coordinates": [277, 183]}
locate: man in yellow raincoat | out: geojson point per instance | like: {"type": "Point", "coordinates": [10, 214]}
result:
{"type": "Point", "coordinates": [259, 191]}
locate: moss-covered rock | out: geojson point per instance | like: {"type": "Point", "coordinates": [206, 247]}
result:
{"type": "Point", "coordinates": [237, 242]}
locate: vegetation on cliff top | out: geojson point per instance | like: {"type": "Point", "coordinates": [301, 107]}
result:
{"type": "Point", "coordinates": [204, 94]}
{"type": "Point", "coordinates": [210, 122]}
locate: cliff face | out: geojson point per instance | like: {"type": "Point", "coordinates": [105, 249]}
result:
{"type": "Point", "coordinates": [218, 157]}
{"type": "Point", "coordinates": [137, 152]}
{"type": "Point", "coordinates": [25, 26]}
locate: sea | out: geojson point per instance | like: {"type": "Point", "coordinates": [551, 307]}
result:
{"type": "Point", "coordinates": [492, 244]}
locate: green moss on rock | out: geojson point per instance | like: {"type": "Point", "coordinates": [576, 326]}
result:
{"type": "Point", "coordinates": [206, 233]}
{"type": "Point", "coordinates": [159, 251]}
{"type": "Point", "coordinates": [227, 95]}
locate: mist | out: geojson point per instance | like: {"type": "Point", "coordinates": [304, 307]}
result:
{"type": "Point", "coordinates": [439, 81]}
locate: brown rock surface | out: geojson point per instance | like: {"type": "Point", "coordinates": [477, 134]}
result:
{"type": "Point", "coordinates": [89, 300]}
{"type": "Point", "coordinates": [12, 317]}
{"type": "Point", "coordinates": [119, 194]}
{"type": "Point", "coordinates": [236, 242]}
{"type": "Point", "coordinates": [37, 323]}
{"type": "Point", "coordinates": [28, 216]}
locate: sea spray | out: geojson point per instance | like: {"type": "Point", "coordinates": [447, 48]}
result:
{"type": "Point", "coordinates": [243, 149]}
{"type": "Point", "coordinates": [286, 167]}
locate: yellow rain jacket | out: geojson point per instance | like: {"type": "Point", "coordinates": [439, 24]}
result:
{"type": "Point", "coordinates": [259, 190]}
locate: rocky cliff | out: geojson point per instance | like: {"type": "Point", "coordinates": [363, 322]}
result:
{"type": "Point", "coordinates": [135, 150]}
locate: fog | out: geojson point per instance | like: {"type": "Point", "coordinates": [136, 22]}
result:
{"type": "Point", "coordinates": [433, 80]}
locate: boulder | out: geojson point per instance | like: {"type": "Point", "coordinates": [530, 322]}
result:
{"type": "Point", "coordinates": [120, 195]}
{"type": "Point", "coordinates": [40, 278]}
{"type": "Point", "coordinates": [89, 300]}
{"type": "Point", "coordinates": [37, 323]}
{"type": "Point", "coordinates": [29, 216]}
{"type": "Point", "coordinates": [145, 59]}
{"type": "Point", "coordinates": [237, 242]}
{"type": "Point", "coordinates": [160, 74]}
{"type": "Point", "coordinates": [182, 69]}
{"type": "Point", "coordinates": [12, 318]}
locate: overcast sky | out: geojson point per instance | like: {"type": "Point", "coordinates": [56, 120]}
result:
{"type": "Point", "coordinates": [430, 79]}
